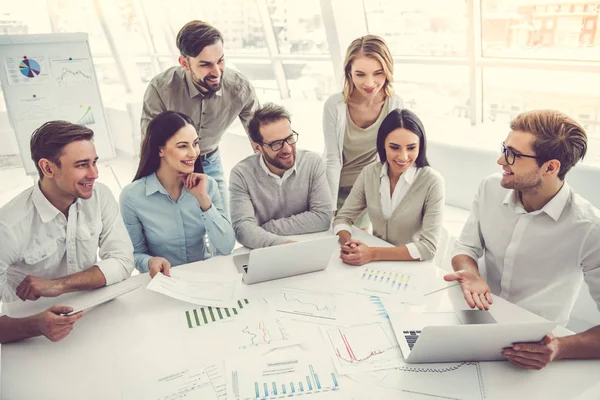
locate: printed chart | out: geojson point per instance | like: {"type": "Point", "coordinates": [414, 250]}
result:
{"type": "Point", "coordinates": [78, 113]}
{"type": "Point", "coordinates": [27, 70]}
{"type": "Point", "coordinates": [307, 303]}
{"type": "Point", "coordinates": [402, 285]}
{"type": "Point", "coordinates": [72, 71]}
{"type": "Point", "coordinates": [207, 383]}
{"type": "Point", "coordinates": [266, 331]}
{"type": "Point", "coordinates": [209, 315]}
{"type": "Point", "coordinates": [283, 379]}
{"type": "Point", "coordinates": [363, 348]}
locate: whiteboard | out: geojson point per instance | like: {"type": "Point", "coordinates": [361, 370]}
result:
{"type": "Point", "coordinates": [51, 77]}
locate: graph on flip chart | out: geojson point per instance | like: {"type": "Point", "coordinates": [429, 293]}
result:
{"type": "Point", "coordinates": [73, 71]}
{"type": "Point", "coordinates": [364, 347]}
{"type": "Point", "coordinates": [307, 302]}
{"type": "Point", "coordinates": [388, 282]}
{"type": "Point", "coordinates": [210, 315]}
{"type": "Point", "coordinates": [283, 379]}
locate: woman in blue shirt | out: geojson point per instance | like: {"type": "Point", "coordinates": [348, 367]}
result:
{"type": "Point", "coordinates": [171, 204]}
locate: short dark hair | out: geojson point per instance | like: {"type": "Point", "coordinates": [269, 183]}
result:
{"type": "Point", "coordinates": [406, 119]}
{"type": "Point", "coordinates": [557, 137]}
{"type": "Point", "coordinates": [195, 36]}
{"type": "Point", "coordinates": [160, 129]}
{"type": "Point", "coordinates": [266, 114]}
{"type": "Point", "coordinates": [48, 140]}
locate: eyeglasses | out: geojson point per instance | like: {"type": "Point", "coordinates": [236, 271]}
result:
{"type": "Point", "coordinates": [278, 144]}
{"type": "Point", "coordinates": [511, 156]}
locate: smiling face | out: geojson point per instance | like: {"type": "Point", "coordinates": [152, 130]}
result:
{"type": "Point", "coordinates": [283, 159]}
{"type": "Point", "coordinates": [181, 151]}
{"type": "Point", "coordinates": [207, 67]}
{"type": "Point", "coordinates": [75, 176]}
{"type": "Point", "coordinates": [401, 150]}
{"type": "Point", "coordinates": [367, 75]}
{"type": "Point", "coordinates": [525, 174]}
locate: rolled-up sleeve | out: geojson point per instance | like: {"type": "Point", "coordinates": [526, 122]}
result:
{"type": "Point", "coordinates": [116, 250]}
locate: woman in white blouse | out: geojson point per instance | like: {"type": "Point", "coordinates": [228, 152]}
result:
{"type": "Point", "coordinates": [403, 196]}
{"type": "Point", "coordinates": [351, 118]}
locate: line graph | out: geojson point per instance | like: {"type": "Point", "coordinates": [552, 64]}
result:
{"type": "Point", "coordinates": [307, 302]}
{"type": "Point", "coordinates": [261, 332]}
{"type": "Point", "coordinates": [363, 348]}
{"type": "Point", "coordinates": [72, 71]}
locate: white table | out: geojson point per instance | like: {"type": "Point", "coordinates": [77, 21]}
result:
{"type": "Point", "coordinates": [139, 335]}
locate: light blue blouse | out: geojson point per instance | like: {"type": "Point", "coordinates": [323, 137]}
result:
{"type": "Point", "coordinates": [159, 226]}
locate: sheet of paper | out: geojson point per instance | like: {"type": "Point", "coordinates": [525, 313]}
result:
{"type": "Point", "coordinates": [402, 286]}
{"type": "Point", "coordinates": [307, 303]}
{"type": "Point", "coordinates": [199, 383]}
{"type": "Point", "coordinates": [215, 290]}
{"type": "Point", "coordinates": [363, 348]}
{"type": "Point", "coordinates": [77, 300]}
{"type": "Point", "coordinates": [280, 377]}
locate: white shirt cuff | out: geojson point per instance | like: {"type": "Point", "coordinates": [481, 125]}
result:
{"type": "Point", "coordinates": [413, 251]}
{"type": "Point", "coordinates": [342, 227]}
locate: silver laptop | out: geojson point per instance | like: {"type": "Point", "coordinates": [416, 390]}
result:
{"type": "Point", "coordinates": [469, 335]}
{"type": "Point", "coordinates": [285, 260]}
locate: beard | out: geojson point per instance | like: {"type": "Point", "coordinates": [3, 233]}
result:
{"type": "Point", "coordinates": [278, 163]}
{"type": "Point", "coordinates": [204, 84]}
{"type": "Point", "coordinates": [528, 183]}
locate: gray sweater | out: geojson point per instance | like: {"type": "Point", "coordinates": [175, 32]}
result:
{"type": "Point", "coordinates": [262, 210]}
{"type": "Point", "coordinates": [417, 218]}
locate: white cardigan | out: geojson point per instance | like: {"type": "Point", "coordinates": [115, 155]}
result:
{"type": "Point", "coordinates": [334, 126]}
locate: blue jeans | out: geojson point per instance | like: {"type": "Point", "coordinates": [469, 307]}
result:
{"type": "Point", "coordinates": [214, 167]}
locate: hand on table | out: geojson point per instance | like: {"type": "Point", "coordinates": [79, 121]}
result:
{"type": "Point", "coordinates": [159, 264]}
{"type": "Point", "coordinates": [55, 326]}
{"type": "Point", "coordinates": [33, 287]}
{"type": "Point", "coordinates": [355, 252]}
{"type": "Point", "coordinates": [475, 289]}
{"type": "Point", "coordinates": [533, 355]}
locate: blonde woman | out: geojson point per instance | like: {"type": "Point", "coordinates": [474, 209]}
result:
{"type": "Point", "coordinates": [352, 118]}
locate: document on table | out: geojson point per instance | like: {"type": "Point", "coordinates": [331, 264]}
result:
{"type": "Point", "coordinates": [204, 383]}
{"type": "Point", "coordinates": [198, 288]}
{"type": "Point", "coordinates": [403, 287]}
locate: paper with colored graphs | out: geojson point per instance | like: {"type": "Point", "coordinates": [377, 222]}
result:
{"type": "Point", "coordinates": [404, 287]}
{"type": "Point", "coordinates": [279, 378]}
{"type": "Point", "coordinates": [216, 290]}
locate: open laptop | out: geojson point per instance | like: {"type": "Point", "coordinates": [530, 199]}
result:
{"type": "Point", "coordinates": [469, 335]}
{"type": "Point", "coordinates": [285, 260]}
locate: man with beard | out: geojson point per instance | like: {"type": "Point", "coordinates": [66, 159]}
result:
{"type": "Point", "coordinates": [536, 238]}
{"type": "Point", "coordinates": [202, 88]}
{"type": "Point", "coordinates": [277, 192]}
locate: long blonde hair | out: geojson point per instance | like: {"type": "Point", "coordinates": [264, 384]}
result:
{"type": "Point", "coordinates": [374, 47]}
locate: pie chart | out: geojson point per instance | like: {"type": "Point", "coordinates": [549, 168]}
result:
{"type": "Point", "coordinates": [29, 68]}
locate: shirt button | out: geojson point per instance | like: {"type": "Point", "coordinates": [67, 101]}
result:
{"type": "Point", "coordinates": [91, 233]}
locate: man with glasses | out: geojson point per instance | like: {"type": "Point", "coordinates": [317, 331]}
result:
{"type": "Point", "coordinates": [277, 192]}
{"type": "Point", "coordinates": [534, 237]}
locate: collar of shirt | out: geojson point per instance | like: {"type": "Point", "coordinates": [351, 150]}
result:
{"type": "Point", "coordinates": [193, 89]}
{"type": "Point", "coordinates": [46, 209]}
{"type": "Point", "coordinates": [553, 208]}
{"type": "Point", "coordinates": [280, 179]}
{"type": "Point", "coordinates": [408, 175]}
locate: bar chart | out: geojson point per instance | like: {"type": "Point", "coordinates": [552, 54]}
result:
{"type": "Point", "coordinates": [287, 378]}
{"type": "Point", "coordinates": [209, 315]}
{"type": "Point", "coordinates": [388, 281]}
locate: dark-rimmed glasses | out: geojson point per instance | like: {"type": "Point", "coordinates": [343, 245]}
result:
{"type": "Point", "coordinates": [511, 156]}
{"type": "Point", "coordinates": [278, 144]}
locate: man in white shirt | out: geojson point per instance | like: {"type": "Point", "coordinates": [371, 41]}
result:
{"type": "Point", "coordinates": [538, 239]}
{"type": "Point", "coordinates": [51, 232]}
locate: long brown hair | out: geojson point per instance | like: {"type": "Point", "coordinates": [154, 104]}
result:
{"type": "Point", "coordinates": [160, 129]}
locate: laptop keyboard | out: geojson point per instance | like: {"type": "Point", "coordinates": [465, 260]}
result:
{"type": "Point", "coordinates": [411, 337]}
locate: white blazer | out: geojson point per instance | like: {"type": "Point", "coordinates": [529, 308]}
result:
{"type": "Point", "coordinates": [334, 127]}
